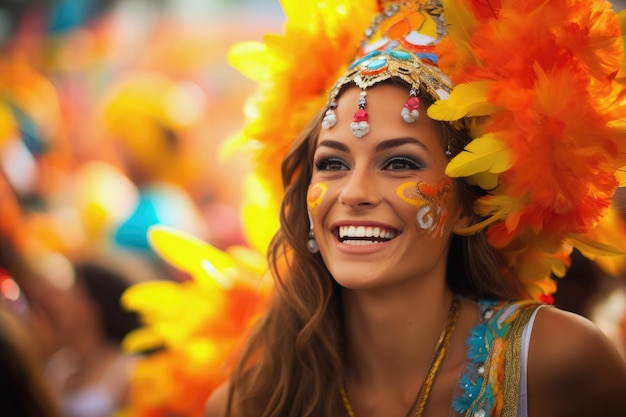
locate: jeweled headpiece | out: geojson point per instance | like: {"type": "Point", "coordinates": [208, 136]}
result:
{"type": "Point", "coordinates": [537, 82]}
{"type": "Point", "coordinates": [403, 49]}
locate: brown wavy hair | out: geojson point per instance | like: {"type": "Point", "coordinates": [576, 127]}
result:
{"type": "Point", "coordinates": [292, 363]}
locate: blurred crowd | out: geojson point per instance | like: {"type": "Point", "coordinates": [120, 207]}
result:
{"type": "Point", "coordinates": [114, 117]}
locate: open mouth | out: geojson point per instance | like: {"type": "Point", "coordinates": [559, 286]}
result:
{"type": "Point", "coordinates": [364, 235]}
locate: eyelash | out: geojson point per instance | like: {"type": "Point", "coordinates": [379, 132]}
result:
{"type": "Point", "coordinates": [324, 164]}
{"type": "Point", "coordinates": [409, 163]}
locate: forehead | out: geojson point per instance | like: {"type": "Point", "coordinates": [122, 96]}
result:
{"type": "Point", "coordinates": [384, 103]}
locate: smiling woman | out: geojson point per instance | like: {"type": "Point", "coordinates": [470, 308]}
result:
{"type": "Point", "coordinates": [391, 179]}
{"type": "Point", "coordinates": [426, 207]}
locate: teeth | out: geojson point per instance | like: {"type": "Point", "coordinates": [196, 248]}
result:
{"type": "Point", "coordinates": [361, 242]}
{"type": "Point", "coordinates": [365, 231]}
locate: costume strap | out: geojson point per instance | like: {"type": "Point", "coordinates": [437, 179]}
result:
{"type": "Point", "coordinates": [494, 360]}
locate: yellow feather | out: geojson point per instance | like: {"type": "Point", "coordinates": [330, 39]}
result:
{"type": "Point", "coordinates": [460, 22]}
{"type": "Point", "coordinates": [495, 207]}
{"type": "Point", "coordinates": [208, 265]}
{"type": "Point", "coordinates": [485, 180]}
{"type": "Point", "coordinates": [620, 174]}
{"type": "Point", "coordinates": [589, 246]}
{"type": "Point", "coordinates": [259, 204]}
{"type": "Point", "coordinates": [499, 206]}
{"type": "Point", "coordinates": [483, 154]}
{"type": "Point", "coordinates": [152, 296]}
{"type": "Point", "coordinates": [429, 28]}
{"type": "Point", "coordinates": [465, 100]}
{"type": "Point", "coordinates": [298, 12]}
{"type": "Point", "coordinates": [252, 59]}
{"type": "Point", "coordinates": [475, 228]}
{"type": "Point", "coordinates": [142, 339]}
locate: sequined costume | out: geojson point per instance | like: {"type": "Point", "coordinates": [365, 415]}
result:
{"type": "Point", "coordinates": [493, 382]}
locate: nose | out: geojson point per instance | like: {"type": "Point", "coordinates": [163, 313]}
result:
{"type": "Point", "coordinates": [359, 190]}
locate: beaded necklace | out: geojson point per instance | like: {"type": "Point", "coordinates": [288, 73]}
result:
{"type": "Point", "coordinates": [439, 355]}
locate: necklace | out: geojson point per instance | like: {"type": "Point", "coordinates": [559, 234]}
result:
{"type": "Point", "coordinates": [439, 355]}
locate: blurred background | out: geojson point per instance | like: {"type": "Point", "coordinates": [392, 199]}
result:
{"type": "Point", "coordinates": [113, 114]}
{"type": "Point", "coordinates": [113, 117]}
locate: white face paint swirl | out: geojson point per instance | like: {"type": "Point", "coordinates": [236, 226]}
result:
{"type": "Point", "coordinates": [432, 202]}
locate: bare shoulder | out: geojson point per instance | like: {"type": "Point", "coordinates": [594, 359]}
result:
{"type": "Point", "coordinates": [217, 402]}
{"type": "Point", "coordinates": [573, 368]}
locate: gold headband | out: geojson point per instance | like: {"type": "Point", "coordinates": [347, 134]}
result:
{"type": "Point", "coordinates": [410, 57]}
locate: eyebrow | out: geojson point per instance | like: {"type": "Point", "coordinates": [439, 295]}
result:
{"type": "Point", "coordinates": [394, 143]}
{"type": "Point", "coordinates": [382, 146]}
{"type": "Point", "coordinates": [333, 144]}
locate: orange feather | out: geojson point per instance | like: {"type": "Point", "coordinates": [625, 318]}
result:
{"type": "Point", "coordinates": [486, 9]}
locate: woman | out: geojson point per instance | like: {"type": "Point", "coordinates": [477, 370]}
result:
{"type": "Point", "coordinates": [391, 299]}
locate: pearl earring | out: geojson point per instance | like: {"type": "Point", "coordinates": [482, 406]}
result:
{"type": "Point", "coordinates": [311, 244]}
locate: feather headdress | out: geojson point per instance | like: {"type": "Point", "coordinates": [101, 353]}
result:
{"type": "Point", "coordinates": [294, 71]}
{"type": "Point", "coordinates": [538, 79]}
{"type": "Point", "coordinates": [550, 141]}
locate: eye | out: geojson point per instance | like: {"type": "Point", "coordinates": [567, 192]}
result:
{"type": "Point", "coordinates": [402, 163]}
{"type": "Point", "coordinates": [330, 164]}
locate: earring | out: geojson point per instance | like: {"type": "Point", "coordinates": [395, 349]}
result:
{"type": "Point", "coordinates": [311, 244]}
{"type": "Point", "coordinates": [409, 112]}
{"type": "Point", "coordinates": [359, 125]}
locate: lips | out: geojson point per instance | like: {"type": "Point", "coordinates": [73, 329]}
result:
{"type": "Point", "coordinates": [364, 235]}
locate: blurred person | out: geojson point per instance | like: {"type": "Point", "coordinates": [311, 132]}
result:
{"type": "Point", "coordinates": [24, 390]}
{"type": "Point", "coordinates": [582, 287]}
{"type": "Point", "coordinates": [591, 292]}
{"type": "Point", "coordinates": [91, 371]}
{"type": "Point", "coordinates": [149, 140]}
{"type": "Point", "coordinates": [609, 313]}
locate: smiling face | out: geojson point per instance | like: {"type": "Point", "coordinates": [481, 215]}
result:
{"type": "Point", "coordinates": [382, 207]}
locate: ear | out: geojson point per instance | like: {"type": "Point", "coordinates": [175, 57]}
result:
{"type": "Point", "coordinates": [463, 220]}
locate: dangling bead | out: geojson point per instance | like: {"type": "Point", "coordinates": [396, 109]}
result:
{"type": "Point", "coordinates": [311, 245]}
{"type": "Point", "coordinates": [359, 125]}
{"type": "Point", "coordinates": [330, 118]}
{"type": "Point", "coordinates": [410, 111]}
{"type": "Point", "coordinates": [360, 115]}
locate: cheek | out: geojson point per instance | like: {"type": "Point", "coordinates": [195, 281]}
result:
{"type": "Point", "coordinates": [315, 195]}
{"type": "Point", "coordinates": [431, 202]}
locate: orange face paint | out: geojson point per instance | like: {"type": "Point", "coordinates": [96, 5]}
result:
{"type": "Point", "coordinates": [431, 201]}
{"type": "Point", "coordinates": [315, 194]}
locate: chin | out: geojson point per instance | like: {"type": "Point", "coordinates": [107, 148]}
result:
{"type": "Point", "coordinates": [357, 280]}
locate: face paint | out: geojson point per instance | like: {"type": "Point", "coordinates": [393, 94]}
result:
{"type": "Point", "coordinates": [432, 202]}
{"type": "Point", "coordinates": [315, 194]}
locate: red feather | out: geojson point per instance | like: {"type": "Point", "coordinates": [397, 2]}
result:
{"type": "Point", "coordinates": [486, 9]}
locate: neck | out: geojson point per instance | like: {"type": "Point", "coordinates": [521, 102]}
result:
{"type": "Point", "coordinates": [391, 335]}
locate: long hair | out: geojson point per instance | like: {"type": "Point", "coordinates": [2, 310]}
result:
{"type": "Point", "coordinates": [293, 361]}
{"type": "Point", "coordinates": [293, 356]}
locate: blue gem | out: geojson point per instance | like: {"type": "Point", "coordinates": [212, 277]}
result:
{"type": "Point", "coordinates": [365, 58]}
{"type": "Point", "coordinates": [377, 63]}
{"type": "Point", "coordinates": [401, 55]}
{"type": "Point", "coordinates": [432, 57]}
